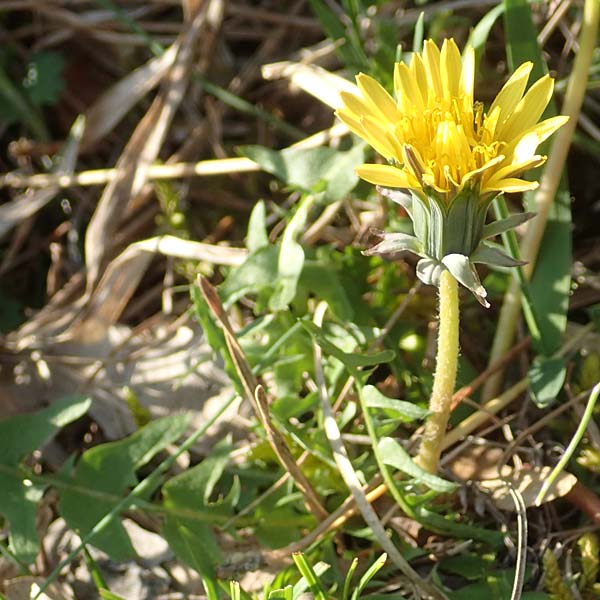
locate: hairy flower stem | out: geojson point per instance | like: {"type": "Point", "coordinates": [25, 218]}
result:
{"type": "Point", "coordinates": [445, 375]}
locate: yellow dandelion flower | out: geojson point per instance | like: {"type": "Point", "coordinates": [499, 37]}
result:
{"type": "Point", "coordinates": [453, 155]}
{"type": "Point", "coordinates": [437, 139]}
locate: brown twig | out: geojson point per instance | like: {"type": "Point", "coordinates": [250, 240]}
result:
{"type": "Point", "coordinates": [255, 394]}
{"type": "Point", "coordinates": [508, 357]}
{"type": "Point", "coordinates": [584, 499]}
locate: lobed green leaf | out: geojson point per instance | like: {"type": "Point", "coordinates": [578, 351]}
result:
{"type": "Point", "coordinates": [108, 470]}
{"type": "Point", "coordinates": [375, 399]}
{"type": "Point", "coordinates": [396, 456]}
{"type": "Point", "coordinates": [19, 497]}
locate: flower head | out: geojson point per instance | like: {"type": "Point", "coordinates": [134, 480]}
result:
{"type": "Point", "coordinates": [437, 139]}
{"type": "Point", "coordinates": [452, 154]}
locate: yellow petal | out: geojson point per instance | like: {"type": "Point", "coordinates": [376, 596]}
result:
{"type": "Point", "coordinates": [452, 148]}
{"type": "Point", "coordinates": [451, 68]}
{"type": "Point", "coordinates": [509, 185]}
{"type": "Point", "coordinates": [528, 110]}
{"type": "Point", "coordinates": [468, 72]}
{"type": "Point", "coordinates": [397, 80]}
{"type": "Point", "coordinates": [437, 138]}
{"type": "Point", "coordinates": [546, 128]}
{"type": "Point", "coordinates": [349, 119]}
{"type": "Point", "coordinates": [516, 169]}
{"type": "Point", "coordinates": [512, 91]}
{"type": "Point", "coordinates": [431, 56]}
{"type": "Point", "coordinates": [375, 134]}
{"type": "Point", "coordinates": [490, 123]}
{"type": "Point", "coordinates": [419, 75]}
{"type": "Point", "coordinates": [355, 105]}
{"type": "Point", "coordinates": [430, 180]}
{"type": "Point", "coordinates": [407, 90]}
{"type": "Point", "coordinates": [526, 147]}
{"type": "Point", "coordinates": [534, 136]}
{"type": "Point", "coordinates": [372, 131]}
{"type": "Point", "coordinates": [378, 99]}
{"type": "Point", "coordinates": [476, 173]}
{"type": "Point", "coordinates": [386, 175]}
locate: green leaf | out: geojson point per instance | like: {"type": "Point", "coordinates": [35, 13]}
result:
{"type": "Point", "coordinates": [291, 258]}
{"type": "Point", "coordinates": [445, 525]}
{"type": "Point", "coordinates": [259, 272]}
{"type": "Point", "coordinates": [550, 285]}
{"type": "Point", "coordinates": [306, 168]}
{"type": "Point", "coordinates": [18, 503]}
{"type": "Point", "coordinates": [14, 104]}
{"type": "Point", "coordinates": [235, 591]}
{"type": "Point", "coordinates": [19, 436]}
{"type": "Point", "coordinates": [503, 225]}
{"type": "Point", "coordinates": [511, 245]}
{"type": "Point", "coordinates": [489, 254]}
{"type": "Point", "coordinates": [108, 595]}
{"type": "Point", "coordinates": [474, 591]}
{"type": "Point", "coordinates": [368, 575]}
{"type": "Point", "coordinates": [546, 379]}
{"type": "Point", "coordinates": [141, 415]}
{"type": "Point", "coordinates": [481, 31]}
{"type": "Point", "coordinates": [395, 455]}
{"type": "Point", "coordinates": [322, 280]}
{"type": "Point", "coordinates": [286, 593]}
{"type": "Point", "coordinates": [187, 526]}
{"type": "Point", "coordinates": [257, 236]}
{"type": "Point", "coordinates": [348, 579]}
{"type": "Point", "coordinates": [375, 399]}
{"type": "Point", "coordinates": [395, 242]}
{"type": "Point", "coordinates": [290, 264]}
{"type": "Point", "coordinates": [310, 577]}
{"type": "Point", "coordinates": [22, 434]}
{"type": "Point", "coordinates": [351, 361]}
{"type": "Point", "coordinates": [494, 585]}
{"type": "Point", "coordinates": [43, 81]}
{"type": "Point", "coordinates": [419, 34]}
{"type": "Point", "coordinates": [256, 273]}
{"type": "Point", "coordinates": [469, 566]}
{"type": "Point", "coordinates": [349, 47]}
{"type": "Point", "coordinates": [521, 38]}
{"type": "Point", "coordinates": [463, 270]}
{"type": "Point", "coordinates": [594, 315]}
{"type": "Point", "coordinates": [108, 470]}
{"type": "Point", "coordinates": [195, 545]}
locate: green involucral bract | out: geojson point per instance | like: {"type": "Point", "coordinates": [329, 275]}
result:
{"type": "Point", "coordinates": [449, 236]}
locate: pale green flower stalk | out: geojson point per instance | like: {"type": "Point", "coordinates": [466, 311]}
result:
{"type": "Point", "coordinates": [449, 158]}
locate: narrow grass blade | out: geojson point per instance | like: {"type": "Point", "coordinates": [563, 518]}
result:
{"type": "Point", "coordinates": [310, 576]}
{"type": "Point", "coordinates": [350, 50]}
{"type": "Point", "coordinates": [348, 578]}
{"type": "Point", "coordinates": [368, 575]}
{"type": "Point", "coordinates": [562, 463]}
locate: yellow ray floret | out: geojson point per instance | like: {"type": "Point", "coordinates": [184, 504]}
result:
{"type": "Point", "coordinates": [437, 138]}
